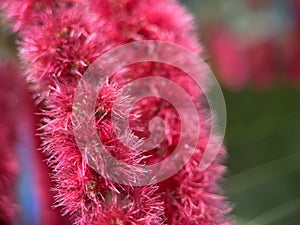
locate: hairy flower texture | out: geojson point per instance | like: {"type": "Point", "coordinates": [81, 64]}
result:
{"type": "Point", "coordinates": [190, 196]}
{"type": "Point", "coordinates": [59, 40]}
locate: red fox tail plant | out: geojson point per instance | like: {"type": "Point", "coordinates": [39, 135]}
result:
{"type": "Point", "coordinates": [59, 40]}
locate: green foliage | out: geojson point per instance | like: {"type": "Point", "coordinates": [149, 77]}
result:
{"type": "Point", "coordinates": [263, 142]}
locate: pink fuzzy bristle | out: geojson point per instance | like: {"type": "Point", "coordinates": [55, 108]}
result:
{"type": "Point", "coordinates": [60, 39]}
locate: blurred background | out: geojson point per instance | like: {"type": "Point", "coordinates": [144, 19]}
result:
{"type": "Point", "coordinates": [253, 46]}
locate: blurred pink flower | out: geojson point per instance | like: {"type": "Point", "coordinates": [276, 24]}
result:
{"type": "Point", "coordinates": [241, 65]}
{"type": "Point", "coordinates": [19, 152]}
{"type": "Point", "coordinates": [261, 58]}
{"type": "Point", "coordinates": [9, 163]}
{"type": "Point", "coordinates": [229, 59]}
{"type": "Point", "coordinates": [255, 55]}
{"type": "Point", "coordinates": [292, 49]}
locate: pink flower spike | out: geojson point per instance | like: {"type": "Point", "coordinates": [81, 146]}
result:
{"type": "Point", "coordinates": [59, 41]}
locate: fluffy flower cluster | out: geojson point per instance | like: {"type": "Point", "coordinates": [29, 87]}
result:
{"type": "Point", "coordinates": [59, 40]}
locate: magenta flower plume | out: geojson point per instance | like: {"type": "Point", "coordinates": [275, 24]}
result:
{"type": "Point", "coordinates": [59, 40]}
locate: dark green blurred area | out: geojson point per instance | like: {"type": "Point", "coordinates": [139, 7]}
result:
{"type": "Point", "coordinates": [263, 141]}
